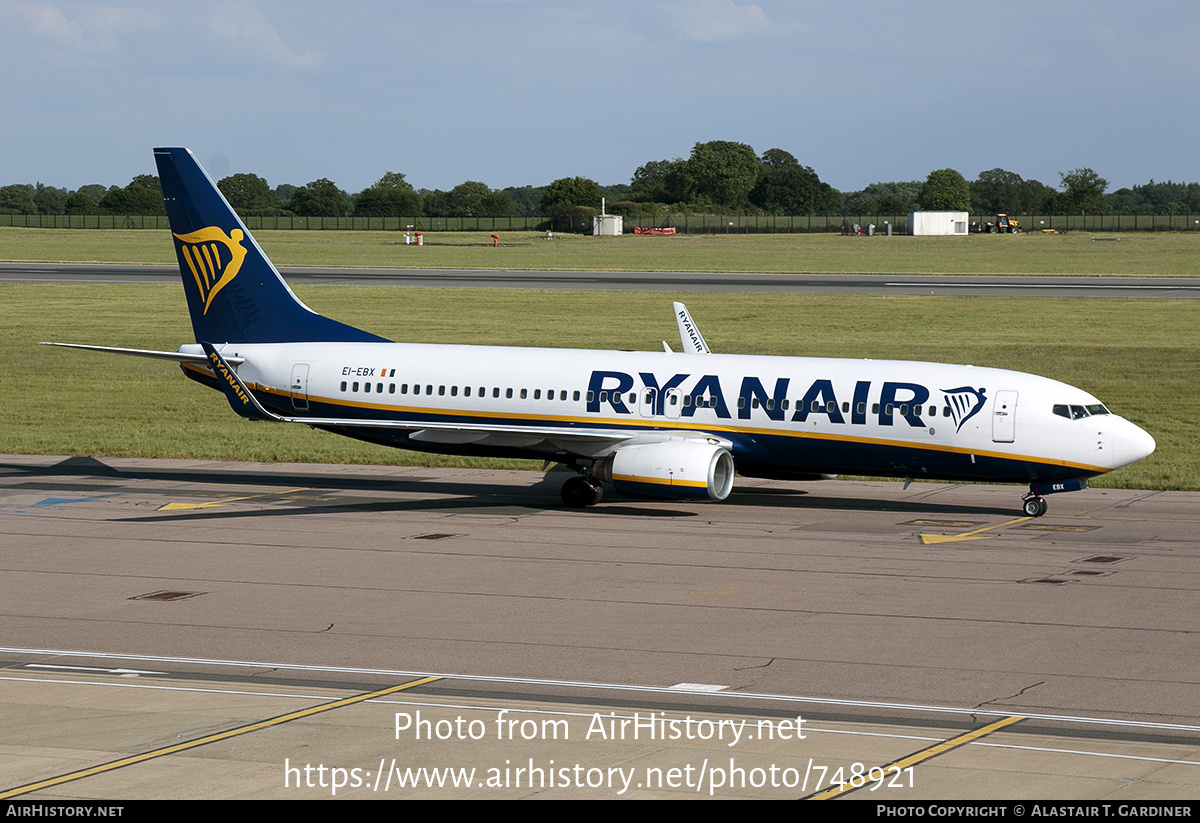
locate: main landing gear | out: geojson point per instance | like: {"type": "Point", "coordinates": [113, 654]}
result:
{"type": "Point", "coordinates": [581, 491]}
{"type": "Point", "coordinates": [1034, 506]}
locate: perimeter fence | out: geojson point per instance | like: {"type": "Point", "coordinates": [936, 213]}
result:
{"type": "Point", "coordinates": [683, 223]}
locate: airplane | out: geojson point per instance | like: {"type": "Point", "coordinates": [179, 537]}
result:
{"type": "Point", "coordinates": [664, 424]}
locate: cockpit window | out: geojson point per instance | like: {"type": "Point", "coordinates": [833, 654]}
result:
{"type": "Point", "coordinates": [1079, 412]}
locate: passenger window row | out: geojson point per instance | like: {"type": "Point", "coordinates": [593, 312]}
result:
{"type": "Point", "coordinates": [673, 398]}
{"type": "Point", "coordinates": [429, 389]}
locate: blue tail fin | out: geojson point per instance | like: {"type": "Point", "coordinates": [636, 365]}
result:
{"type": "Point", "coordinates": [234, 293]}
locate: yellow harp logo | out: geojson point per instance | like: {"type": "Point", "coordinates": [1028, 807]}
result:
{"type": "Point", "coordinates": [214, 258]}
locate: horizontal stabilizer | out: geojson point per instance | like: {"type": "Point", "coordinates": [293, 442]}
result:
{"type": "Point", "coordinates": [175, 356]}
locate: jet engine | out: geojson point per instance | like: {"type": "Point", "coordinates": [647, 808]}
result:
{"type": "Point", "coordinates": [680, 469]}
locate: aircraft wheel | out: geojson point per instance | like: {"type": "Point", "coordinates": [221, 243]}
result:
{"type": "Point", "coordinates": [578, 492]}
{"type": "Point", "coordinates": [1035, 506]}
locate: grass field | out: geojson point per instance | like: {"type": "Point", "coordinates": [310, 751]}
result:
{"type": "Point", "coordinates": [1144, 254]}
{"type": "Point", "coordinates": [1138, 356]}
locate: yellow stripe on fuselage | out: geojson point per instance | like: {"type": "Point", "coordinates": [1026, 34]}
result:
{"type": "Point", "coordinates": [660, 424]}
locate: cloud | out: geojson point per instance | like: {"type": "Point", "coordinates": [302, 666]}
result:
{"type": "Point", "coordinates": [242, 26]}
{"type": "Point", "coordinates": [90, 34]}
{"type": "Point", "coordinates": [711, 21]}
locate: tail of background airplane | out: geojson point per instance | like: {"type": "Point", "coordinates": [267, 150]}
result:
{"type": "Point", "coordinates": [234, 293]}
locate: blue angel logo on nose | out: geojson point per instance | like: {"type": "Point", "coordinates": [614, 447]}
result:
{"type": "Point", "coordinates": [964, 403]}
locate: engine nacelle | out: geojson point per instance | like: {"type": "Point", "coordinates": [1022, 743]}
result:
{"type": "Point", "coordinates": [676, 468]}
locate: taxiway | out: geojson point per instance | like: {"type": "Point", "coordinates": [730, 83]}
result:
{"type": "Point", "coordinates": [912, 614]}
{"type": "Point", "coordinates": [1048, 286]}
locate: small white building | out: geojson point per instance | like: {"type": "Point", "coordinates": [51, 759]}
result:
{"type": "Point", "coordinates": [938, 222]}
{"type": "Point", "coordinates": [608, 225]}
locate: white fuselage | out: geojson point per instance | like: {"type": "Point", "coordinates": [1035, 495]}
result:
{"type": "Point", "coordinates": [780, 414]}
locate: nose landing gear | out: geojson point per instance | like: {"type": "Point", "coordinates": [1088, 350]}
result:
{"type": "Point", "coordinates": [1034, 506]}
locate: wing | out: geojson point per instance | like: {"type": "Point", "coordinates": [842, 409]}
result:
{"type": "Point", "coordinates": [584, 442]}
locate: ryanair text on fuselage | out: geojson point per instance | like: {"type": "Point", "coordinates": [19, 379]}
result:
{"type": "Point", "coordinates": [891, 399]}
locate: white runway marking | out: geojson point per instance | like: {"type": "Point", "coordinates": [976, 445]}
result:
{"type": "Point", "coordinates": [572, 684]}
{"type": "Point", "coordinates": [483, 707]}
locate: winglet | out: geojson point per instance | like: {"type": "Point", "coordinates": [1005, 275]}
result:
{"type": "Point", "coordinates": [693, 341]}
{"type": "Point", "coordinates": [239, 397]}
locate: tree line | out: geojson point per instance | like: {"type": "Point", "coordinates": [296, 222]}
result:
{"type": "Point", "coordinates": [718, 176]}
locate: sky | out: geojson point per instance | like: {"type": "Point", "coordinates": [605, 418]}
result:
{"type": "Point", "coordinates": [523, 92]}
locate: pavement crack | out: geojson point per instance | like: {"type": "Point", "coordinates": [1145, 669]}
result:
{"type": "Point", "coordinates": [1013, 696]}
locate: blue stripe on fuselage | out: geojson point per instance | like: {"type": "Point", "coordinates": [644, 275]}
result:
{"type": "Point", "coordinates": [805, 451]}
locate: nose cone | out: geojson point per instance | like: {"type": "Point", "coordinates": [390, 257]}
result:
{"type": "Point", "coordinates": [1130, 444]}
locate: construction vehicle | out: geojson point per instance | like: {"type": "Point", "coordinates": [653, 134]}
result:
{"type": "Point", "coordinates": [1003, 225]}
